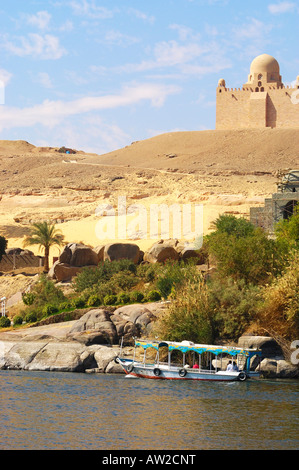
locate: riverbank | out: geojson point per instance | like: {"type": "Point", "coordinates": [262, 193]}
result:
{"type": "Point", "coordinates": [90, 344]}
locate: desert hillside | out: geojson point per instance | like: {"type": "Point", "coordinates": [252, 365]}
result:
{"type": "Point", "coordinates": [226, 171]}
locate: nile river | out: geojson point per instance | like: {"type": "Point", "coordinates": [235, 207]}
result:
{"type": "Point", "coordinates": [48, 410]}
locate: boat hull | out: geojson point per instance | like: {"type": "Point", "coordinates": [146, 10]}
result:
{"type": "Point", "coordinates": [163, 372]}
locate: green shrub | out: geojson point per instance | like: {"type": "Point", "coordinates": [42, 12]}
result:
{"type": "Point", "coordinates": [153, 296]}
{"type": "Point", "coordinates": [28, 298]}
{"type": "Point", "coordinates": [80, 302]}
{"type": "Point", "coordinates": [4, 322]}
{"type": "Point", "coordinates": [94, 301]}
{"type": "Point", "coordinates": [65, 306]}
{"type": "Point", "coordinates": [189, 316]}
{"type": "Point", "coordinates": [123, 298]}
{"type": "Point", "coordinates": [110, 299]}
{"type": "Point", "coordinates": [44, 292]}
{"type": "Point", "coordinates": [90, 277]}
{"type": "Point", "coordinates": [136, 297]}
{"type": "Point", "coordinates": [30, 317]}
{"type": "Point", "coordinates": [49, 310]}
{"type": "Point", "coordinates": [235, 305]}
{"type": "Point", "coordinates": [18, 320]}
{"type": "Point", "coordinates": [164, 284]}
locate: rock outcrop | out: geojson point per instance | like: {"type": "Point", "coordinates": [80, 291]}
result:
{"type": "Point", "coordinates": [118, 251]}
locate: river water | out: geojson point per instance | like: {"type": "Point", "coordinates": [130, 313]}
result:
{"type": "Point", "coordinates": [67, 411]}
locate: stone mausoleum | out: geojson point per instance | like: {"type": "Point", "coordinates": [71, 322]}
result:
{"type": "Point", "coordinates": [262, 102]}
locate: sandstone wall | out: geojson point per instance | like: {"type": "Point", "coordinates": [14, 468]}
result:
{"type": "Point", "coordinates": [245, 108]}
{"type": "Point", "coordinates": [10, 262]}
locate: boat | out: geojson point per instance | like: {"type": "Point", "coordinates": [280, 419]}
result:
{"type": "Point", "coordinates": [196, 361]}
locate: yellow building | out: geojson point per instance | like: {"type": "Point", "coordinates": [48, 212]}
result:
{"type": "Point", "coordinates": [262, 102]}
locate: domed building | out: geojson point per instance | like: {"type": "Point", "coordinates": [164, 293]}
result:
{"type": "Point", "coordinates": [263, 101]}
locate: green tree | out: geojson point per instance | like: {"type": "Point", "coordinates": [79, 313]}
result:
{"type": "Point", "coordinates": [287, 231]}
{"type": "Point", "coordinates": [3, 245]}
{"type": "Point", "coordinates": [231, 225]}
{"type": "Point", "coordinates": [45, 235]}
{"type": "Point", "coordinates": [242, 251]}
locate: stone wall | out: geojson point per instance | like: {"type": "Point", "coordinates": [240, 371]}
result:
{"type": "Point", "coordinates": [245, 108]}
{"type": "Point", "coordinates": [10, 262]}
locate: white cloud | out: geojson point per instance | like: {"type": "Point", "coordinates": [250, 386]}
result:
{"type": "Point", "coordinates": [5, 77]}
{"type": "Point", "coordinates": [188, 58]}
{"type": "Point", "coordinates": [119, 39]}
{"type": "Point", "coordinates": [41, 20]}
{"type": "Point", "coordinates": [142, 16]}
{"type": "Point", "coordinates": [52, 113]}
{"type": "Point", "coordinates": [44, 79]}
{"type": "Point", "coordinates": [254, 30]}
{"type": "Point", "coordinates": [282, 7]}
{"type": "Point", "coordinates": [185, 32]}
{"type": "Point", "coordinates": [90, 9]}
{"type": "Point", "coordinates": [36, 45]}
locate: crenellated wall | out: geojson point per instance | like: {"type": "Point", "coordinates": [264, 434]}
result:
{"type": "Point", "coordinates": [246, 108]}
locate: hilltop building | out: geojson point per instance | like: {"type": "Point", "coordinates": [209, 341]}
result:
{"type": "Point", "coordinates": [262, 102]}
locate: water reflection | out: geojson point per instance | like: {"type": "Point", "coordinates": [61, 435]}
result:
{"type": "Point", "coordinates": [77, 411]}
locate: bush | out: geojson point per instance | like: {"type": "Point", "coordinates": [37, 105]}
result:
{"type": "Point", "coordinates": [49, 310]}
{"type": "Point", "coordinates": [110, 299]}
{"type": "Point", "coordinates": [4, 322]}
{"type": "Point", "coordinates": [90, 277]}
{"type": "Point", "coordinates": [80, 302]}
{"type": "Point", "coordinates": [164, 284]}
{"type": "Point", "coordinates": [189, 316]}
{"type": "Point", "coordinates": [65, 306]}
{"type": "Point", "coordinates": [44, 292]}
{"type": "Point", "coordinates": [28, 298]}
{"type": "Point", "coordinates": [94, 301]}
{"type": "Point", "coordinates": [235, 304]}
{"type": "Point", "coordinates": [123, 298]}
{"type": "Point", "coordinates": [30, 317]}
{"type": "Point", "coordinates": [279, 313]}
{"type": "Point", "coordinates": [153, 296]}
{"type": "Point", "coordinates": [136, 297]}
{"type": "Point", "coordinates": [18, 320]}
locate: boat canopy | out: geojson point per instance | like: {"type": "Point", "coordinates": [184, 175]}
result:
{"type": "Point", "coordinates": [186, 346]}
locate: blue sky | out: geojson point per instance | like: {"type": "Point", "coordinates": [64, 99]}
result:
{"type": "Point", "coordinates": [96, 75]}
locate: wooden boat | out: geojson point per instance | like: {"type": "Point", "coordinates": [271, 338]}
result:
{"type": "Point", "coordinates": [208, 362]}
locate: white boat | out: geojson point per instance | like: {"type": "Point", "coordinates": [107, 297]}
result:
{"type": "Point", "coordinates": [208, 362]}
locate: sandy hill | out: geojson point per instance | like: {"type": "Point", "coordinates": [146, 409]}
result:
{"type": "Point", "coordinates": [243, 150]}
{"type": "Point", "coordinates": [226, 171]}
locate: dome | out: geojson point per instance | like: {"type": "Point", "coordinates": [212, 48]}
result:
{"type": "Point", "coordinates": [264, 63]}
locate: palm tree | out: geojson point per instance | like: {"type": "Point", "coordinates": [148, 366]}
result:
{"type": "Point", "coordinates": [45, 235]}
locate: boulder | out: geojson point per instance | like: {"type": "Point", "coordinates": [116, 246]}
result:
{"type": "Point", "coordinates": [118, 251]}
{"type": "Point", "coordinates": [268, 346]}
{"type": "Point", "coordinates": [104, 356]}
{"type": "Point", "coordinates": [278, 368]}
{"type": "Point", "coordinates": [137, 314]}
{"type": "Point", "coordinates": [63, 272]}
{"type": "Point", "coordinates": [62, 357]}
{"type": "Point", "coordinates": [161, 252]}
{"type": "Point", "coordinates": [99, 250]}
{"type": "Point", "coordinates": [95, 327]}
{"type": "Point", "coordinates": [76, 254]}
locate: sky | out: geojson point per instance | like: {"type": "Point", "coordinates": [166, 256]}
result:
{"type": "Point", "coordinates": [96, 75]}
